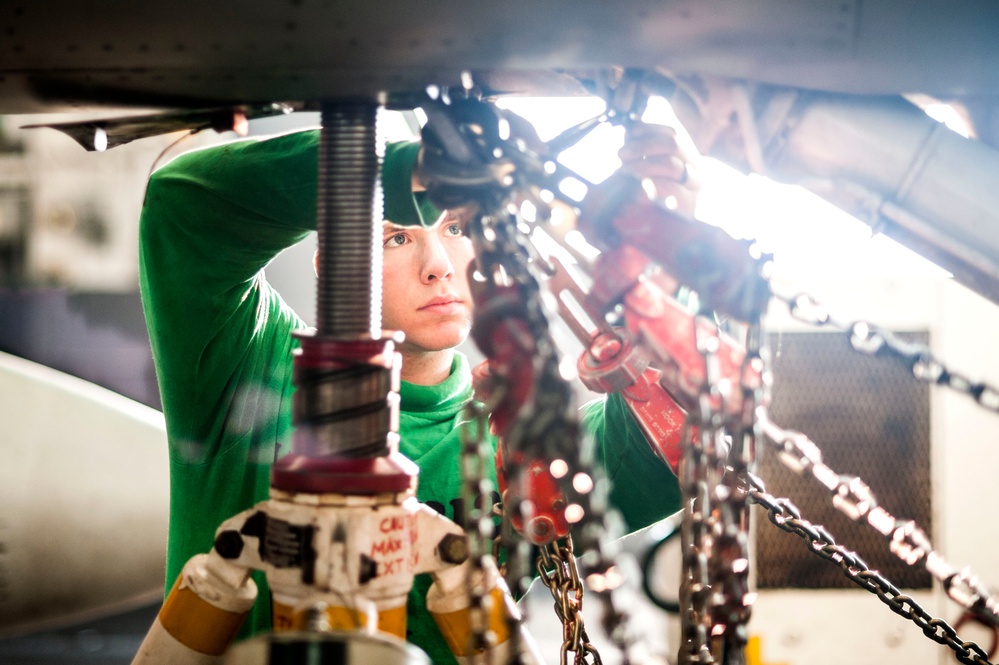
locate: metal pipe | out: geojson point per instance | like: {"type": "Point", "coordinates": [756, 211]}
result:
{"type": "Point", "coordinates": [885, 161]}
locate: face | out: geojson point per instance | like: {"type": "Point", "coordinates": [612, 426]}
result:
{"type": "Point", "coordinates": [425, 288]}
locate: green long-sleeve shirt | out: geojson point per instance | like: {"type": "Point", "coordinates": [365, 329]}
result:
{"type": "Point", "coordinates": [221, 341]}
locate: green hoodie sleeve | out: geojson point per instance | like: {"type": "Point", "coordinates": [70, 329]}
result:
{"type": "Point", "coordinates": [220, 336]}
{"type": "Point", "coordinates": [211, 221]}
{"type": "Point", "coordinates": [643, 488]}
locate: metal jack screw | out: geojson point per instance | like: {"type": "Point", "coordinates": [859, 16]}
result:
{"type": "Point", "coordinates": [349, 206]}
{"type": "Point", "coordinates": [346, 373]}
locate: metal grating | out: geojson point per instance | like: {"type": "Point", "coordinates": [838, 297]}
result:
{"type": "Point", "coordinates": [871, 419]}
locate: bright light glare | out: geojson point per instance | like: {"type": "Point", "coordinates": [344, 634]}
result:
{"type": "Point", "coordinates": [558, 468]}
{"type": "Point", "coordinates": [567, 368]}
{"type": "Point", "coordinates": [573, 188]}
{"type": "Point", "coordinates": [528, 211]}
{"type": "Point", "coordinates": [582, 483]}
{"type": "Point", "coordinates": [949, 116]}
{"type": "Point", "coordinates": [553, 115]}
{"type": "Point", "coordinates": [809, 237]}
{"type": "Point", "coordinates": [577, 241]}
{"type": "Point", "coordinates": [574, 513]}
{"type": "Point", "coordinates": [595, 156]}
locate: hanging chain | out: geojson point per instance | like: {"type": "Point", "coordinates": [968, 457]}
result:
{"type": "Point", "coordinates": [557, 570]}
{"type": "Point", "coordinates": [715, 591]}
{"type": "Point", "coordinates": [786, 516]}
{"type": "Point", "coordinates": [698, 470]}
{"type": "Point", "coordinates": [875, 341]}
{"type": "Point", "coordinates": [478, 524]}
{"type": "Point", "coordinates": [552, 420]}
{"type": "Point", "coordinates": [496, 240]}
{"type": "Point", "coordinates": [852, 497]}
{"type": "Point", "coordinates": [732, 531]}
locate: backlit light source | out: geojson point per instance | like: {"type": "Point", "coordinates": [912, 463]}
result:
{"type": "Point", "coordinates": [574, 513]}
{"type": "Point", "coordinates": [744, 206]}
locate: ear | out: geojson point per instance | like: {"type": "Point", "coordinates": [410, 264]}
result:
{"type": "Point", "coordinates": [315, 262]}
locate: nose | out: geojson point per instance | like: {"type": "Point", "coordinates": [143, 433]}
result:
{"type": "Point", "coordinates": [436, 264]}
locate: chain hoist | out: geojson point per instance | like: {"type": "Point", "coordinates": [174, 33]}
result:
{"type": "Point", "coordinates": [721, 385]}
{"type": "Point", "coordinates": [512, 329]}
{"type": "Point", "coordinates": [537, 421]}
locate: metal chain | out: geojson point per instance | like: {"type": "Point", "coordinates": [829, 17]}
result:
{"type": "Point", "coordinates": [557, 570]}
{"type": "Point", "coordinates": [715, 588]}
{"type": "Point", "coordinates": [698, 471]}
{"type": "Point", "coordinates": [695, 585]}
{"type": "Point", "coordinates": [875, 341]}
{"type": "Point", "coordinates": [786, 516]}
{"type": "Point", "coordinates": [855, 499]}
{"type": "Point", "coordinates": [478, 525]}
{"type": "Point", "coordinates": [553, 421]}
{"type": "Point", "coordinates": [852, 497]}
{"type": "Point", "coordinates": [497, 240]}
{"type": "Point", "coordinates": [732, 538]}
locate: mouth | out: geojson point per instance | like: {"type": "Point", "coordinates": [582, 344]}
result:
{"type": "Point", "coordinates": [443, 305]}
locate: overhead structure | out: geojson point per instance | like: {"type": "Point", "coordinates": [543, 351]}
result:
{"type": "Point", "coordinates": [59, 54]}
{"type": "Point", "coordinates": [805, 92]}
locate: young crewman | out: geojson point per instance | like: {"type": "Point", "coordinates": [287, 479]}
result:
{"type": "Point", "coordinates": [222, 343]}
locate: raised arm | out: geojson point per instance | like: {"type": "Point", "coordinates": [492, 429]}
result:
{"type": "Point", "coordinates": [212, 220]}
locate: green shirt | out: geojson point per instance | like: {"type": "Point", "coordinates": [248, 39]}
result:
{"type": "Point", "coordinates": [222, 344]}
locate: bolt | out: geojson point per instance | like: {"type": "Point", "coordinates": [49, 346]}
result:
{"type": "Point", "coordinates": [229, 544]}
{"type": "Point", "coordinates": [453, 548]}
{"type": "Point", "coordinates": [541, 529]}
{"type": "Point", "coordinates": [315, 619]}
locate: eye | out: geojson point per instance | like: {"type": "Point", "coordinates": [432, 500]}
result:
{"type": "Point", "coordinates": [455, 229]}
{"type": "Point", "coordinates": [395, 240]}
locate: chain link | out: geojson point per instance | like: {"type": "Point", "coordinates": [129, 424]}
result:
{"type": "Point", "coordinates": [714, 593]}
{"type": "Point", "coordinates": [694, 535]}
{"type": "Point", "coordinates": [698, 468]}
{"type": "Point", "coordinates": [732, 541]}
{"type": "Point", "coordinates": [875, 341]}
{"type": "Point", "coordinates": [787, 517]}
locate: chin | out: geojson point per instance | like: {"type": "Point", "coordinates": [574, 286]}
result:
{"type": "Point", "coordinates": [444, 338]}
